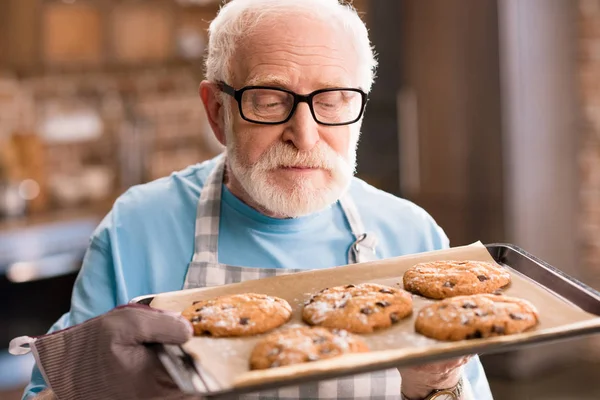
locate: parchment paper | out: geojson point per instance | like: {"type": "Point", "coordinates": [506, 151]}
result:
{"type": "Point", "coordinates": [227, 358]}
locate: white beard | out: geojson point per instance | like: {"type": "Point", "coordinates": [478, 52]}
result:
{"type": "Point", "coordinates": [305, 196]}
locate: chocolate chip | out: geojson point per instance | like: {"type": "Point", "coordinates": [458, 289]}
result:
{"type": "Point", "coordinates": [469, 304]}
{"type": "Point", "coordinates": [475, 335]}
{"type": "Point", "coordinates": [386, 291]}
{"type": "Point", "coordinates": [449, 284]}
{"type": "Point", "coordinates": [196, 319]}
{"type": "Point", "coordinates": [482, 278]}
{"type": "Point", "coordinates": [312, 357]}
{"type": "Point", "coordinates": [323, 290]}
{"type": "Point", "coordinates": [516, 316]}
{"type": "Point", "coordinates": [275, 364]}
{"type": "Point", "coordinates": [366, 310]}
{"type": "Point", "coordinates": [309, 301]}
{"type": "Point", "coordinates": [497, 329]}
{"type": "Point", "coordinates": [244, 321]}
{"type": "Point", "coordinates": [498, 292]}
{"type": "Point", "coordinates": [208, 333]}
{"type": "Point", "coordinates": [349, 286]}
{"type": "Point", "coordinates": [394, 317]}
{"type": "Point", "coordinates": [319, 339]}
{"type": "Point", "coordinates": [196, 302]}
{"type": "Point", "coordinates": [481, 313]}
{"type": "Point", "coordinates": [199, 309]}
{"type": "Point", "coordinates": [382, 304]}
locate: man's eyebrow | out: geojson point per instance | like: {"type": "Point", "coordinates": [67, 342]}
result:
{"type": "Point", "coordinates": [269, 80]}
{"type": "Point", "coordinates": [332, 84]}
{"type": "Point", "coordinates": [279, 81]}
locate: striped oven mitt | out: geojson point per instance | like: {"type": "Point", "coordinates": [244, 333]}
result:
{"type": "Point", "coordinates": [105, 357]}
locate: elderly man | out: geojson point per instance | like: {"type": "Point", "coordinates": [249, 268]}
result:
{"type": "Point", "coordinates": [286, 89]}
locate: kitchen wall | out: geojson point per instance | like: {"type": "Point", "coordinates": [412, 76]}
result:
{"type": "Point", "coordinates": [588, 73]}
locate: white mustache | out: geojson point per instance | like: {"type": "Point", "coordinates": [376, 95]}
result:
{"type": "Point", "coordinates": [286, 156]}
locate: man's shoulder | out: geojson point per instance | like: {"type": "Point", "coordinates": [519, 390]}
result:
{"type": "Point", "coordinates": [378, 203]}
{"type": "Point", "coordinates": [181, 186]}
{"type": "Point", "coordinates": [395, 217]}
{"type": "Point", "coordinates": [154, 204]}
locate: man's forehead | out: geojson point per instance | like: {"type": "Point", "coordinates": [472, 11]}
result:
{"type": "Point", "coordinates": [297, 54]}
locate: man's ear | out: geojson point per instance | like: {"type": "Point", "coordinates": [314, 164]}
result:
{"type": "Point", "coordinates": [210, 95]}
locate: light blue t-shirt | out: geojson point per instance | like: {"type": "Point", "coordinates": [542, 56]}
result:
{"type": "Point", "coordinates": [144, 245]}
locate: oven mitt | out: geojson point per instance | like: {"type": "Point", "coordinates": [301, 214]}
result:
{"type": "Point", "coordinates": [105, 357]}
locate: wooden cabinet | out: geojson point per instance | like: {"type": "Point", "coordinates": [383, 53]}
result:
{"type": "Point", "coordinates": [71, 34]}
{"type": "Point", "coordinates": [20, 31]}
{"type": "Point", "coordinates": [38, 36]}
{"type": "Point", "coordinates": [141, 32]}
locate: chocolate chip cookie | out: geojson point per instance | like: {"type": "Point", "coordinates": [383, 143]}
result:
{"type": "Point", "coordinates": [476, 316]}
{"type": "Point", "coordinates": [238, 315]}
{"type": "Point", "coordinates": [303, 344]}
{"type": "Point", "coordinates": [360, 308]}
{"type": "Point", "coordinates": [442, 279]}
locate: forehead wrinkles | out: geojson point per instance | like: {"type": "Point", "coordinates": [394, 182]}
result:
{"type": "Point", "coordinates": [299, 39]}
{"type": "Point", "coordinates": [302, 55]}
{"type": "Point", "coordinates": [290, 62]}
{"type": "Point", "coordinates": [321, 41]}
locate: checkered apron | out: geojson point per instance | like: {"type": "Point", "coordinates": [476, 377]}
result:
{"type": "Point", "coordinates": [205, 270]}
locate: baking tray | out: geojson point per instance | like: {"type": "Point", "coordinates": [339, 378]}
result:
{"type": "Point", "coordinates": [192, 378]}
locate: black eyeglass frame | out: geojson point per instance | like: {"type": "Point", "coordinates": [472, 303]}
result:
{"type": "Point", "coordinates": [298, 98]}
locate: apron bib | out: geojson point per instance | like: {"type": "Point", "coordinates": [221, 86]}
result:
{"type": "Point", "coordinates": [205, 270]}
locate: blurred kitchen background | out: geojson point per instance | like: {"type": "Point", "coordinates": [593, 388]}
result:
{"type": "Point", "coordinates": [485, 112]}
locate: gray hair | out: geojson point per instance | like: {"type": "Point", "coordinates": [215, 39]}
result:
{"type": "Point", "coordinates": [238, 17]}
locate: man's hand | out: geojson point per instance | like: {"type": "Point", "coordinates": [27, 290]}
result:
{"type": "Point", "coordinates": [419, 381]}
{"type": "Point", "coordinates": [106, 357]}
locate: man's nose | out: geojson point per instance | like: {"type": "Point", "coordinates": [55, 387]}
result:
{"type": "Point", "coordinates": [302, 129]}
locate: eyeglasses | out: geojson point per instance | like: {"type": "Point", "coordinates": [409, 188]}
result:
{"type": "Point", "coordinates": [271, 106]}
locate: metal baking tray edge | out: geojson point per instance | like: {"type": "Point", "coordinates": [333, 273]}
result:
{"type": "Point", "coordinates": [192, 378]}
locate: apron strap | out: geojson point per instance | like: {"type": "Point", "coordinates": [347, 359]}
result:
{"type": "Point", "coordinates": [208, 214]}
{"type": "Point", "coordinates": [363, 249]}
